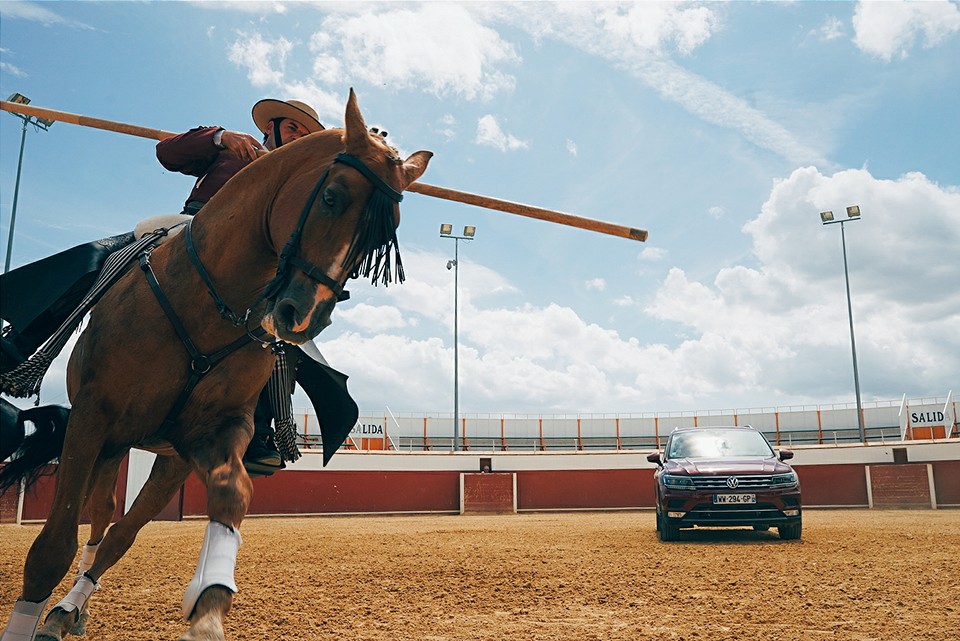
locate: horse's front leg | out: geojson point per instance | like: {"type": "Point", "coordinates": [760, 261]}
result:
{"type": "Point", "coordinates": [210, 593]}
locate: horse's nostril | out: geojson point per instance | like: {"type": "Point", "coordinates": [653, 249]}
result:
{"type": "Point", "coordinates": [286, 313]}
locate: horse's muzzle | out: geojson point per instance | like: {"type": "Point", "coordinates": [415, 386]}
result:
{"type": "Point", "coordinates": [296, 320]}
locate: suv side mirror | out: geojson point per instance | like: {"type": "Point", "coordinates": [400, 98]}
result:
{"type": "Point", "coordinates": [655, 458]}
{"type": "Point", "coordinates": [786, 455]}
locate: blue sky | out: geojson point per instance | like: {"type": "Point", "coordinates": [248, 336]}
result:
{"type": "Point", "coordinates": [722, 128]}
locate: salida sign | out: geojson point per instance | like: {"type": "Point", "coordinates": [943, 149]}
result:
{"type": "Point", "coordinates": [935, 417]}
{"type": "Point", "coordinates": [367, 430]}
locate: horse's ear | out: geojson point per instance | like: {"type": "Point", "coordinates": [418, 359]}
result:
{"type": "Point", "coordinates": [356, 128]}
{"type": "Point", "coordinates": [414, 166]}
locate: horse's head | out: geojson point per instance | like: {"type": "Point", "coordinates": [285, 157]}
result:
{"type": "Point", "coordinates": [347, 228]}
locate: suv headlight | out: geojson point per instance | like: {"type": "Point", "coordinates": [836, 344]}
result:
{"type": "Point", "coordinates": [784, 480]}
{"type": "Point", "coordinates": [678, 482]}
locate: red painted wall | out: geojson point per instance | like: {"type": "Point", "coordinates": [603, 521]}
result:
{"type": "Point", "coordinates": [295, 492]}
{"type": "Point", "coordinates": [946, 478]}
{"type": "Point", "coordinates": [584, 489]}
{"type": "Point", "coordinates": [843, 484]}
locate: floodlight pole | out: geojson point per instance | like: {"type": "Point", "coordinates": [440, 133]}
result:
{"type": "Point", "coordinates": [853, 341]}
{"type": "Point", "coordinates": [455, 263]}
{"type": "Point", "coordinates": [45, 125]}
{"type": "Point", "coordinates": [456, 344]}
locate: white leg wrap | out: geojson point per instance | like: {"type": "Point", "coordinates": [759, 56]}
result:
{"type": "Point", "coordinates": [23, 621]}
{"type": "Point", "coordinates": [218, 558]}
{"type": "Point", "coordinates": [87, 556]}
{"type": "Point", "coordinates": [77, 597]}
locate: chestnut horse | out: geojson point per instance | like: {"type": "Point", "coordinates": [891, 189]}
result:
{"type": "Point", "coordinates": [279, 240]}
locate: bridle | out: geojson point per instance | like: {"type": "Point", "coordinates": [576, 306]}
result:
{"type": "Point", "coordinates": [290, 257]}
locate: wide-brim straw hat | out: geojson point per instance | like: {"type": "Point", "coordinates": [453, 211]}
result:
{"type": "Point", "coordinates": [269, 108]}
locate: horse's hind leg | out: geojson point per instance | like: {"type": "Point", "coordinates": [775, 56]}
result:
{"type": "Point", "coordinates": [54, 548]}
{"type": "Point", "coordinates": [101, 505]}
{"type": "Point", "coordinates": [229, 490]}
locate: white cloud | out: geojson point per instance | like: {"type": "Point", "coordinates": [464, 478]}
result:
{"type": "Point", "coordinates": [447, 127]}
{"type": "Point", "coordinates": [266, 66]}
{"type": "Point", "coordinates": [571, 147]}
{"type": "Point", "coordinates": [653, 254]}
{"type": "Point", "coordinates": [831, 29]}
{"type": "Point", "coordinates": [373, 317]}
{"type": "Point", "coordinates": [888, 29]}
{"type": "Point", "coordinates": [651, 27]}
{"type": "Point", "coordinates": [258, 7]}
{"type": "Point", "coordinates": [436, 47]}
{"type": "Point", "coordinates": [635, 38]}
{"type": "Point", "coordinates": [37, 12]}
{"type": "Point", "coordinates": [598, 284]}
{"type": "Point", "coordinates": [264, 61]}
{"type": "Point", "coordinates": [490, 135]}
{"type": "Point", "coordinates": [12, 70]}
{"type": "Point", "coordinates": [716, 212]}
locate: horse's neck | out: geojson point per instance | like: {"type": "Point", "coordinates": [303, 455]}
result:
{"type": "Point", "coordinates": [232, 249]}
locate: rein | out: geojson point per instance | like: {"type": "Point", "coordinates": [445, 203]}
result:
{"type": "Point", "coordinates": [201, 364]}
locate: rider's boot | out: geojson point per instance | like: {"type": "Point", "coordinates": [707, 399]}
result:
{"type": "Point", "coordinates": [262, 457]}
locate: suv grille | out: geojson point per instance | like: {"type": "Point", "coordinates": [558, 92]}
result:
{"type": "Point", "coordinates": [751, 482]}
{"type": "Point", "coordinates": [734, 513]}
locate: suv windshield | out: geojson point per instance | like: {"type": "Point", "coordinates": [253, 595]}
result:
{"type": "Point", "coordinates": [707, 443]}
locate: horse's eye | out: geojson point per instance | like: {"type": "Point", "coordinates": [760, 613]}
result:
{"type": "Point", "coordinates": [329, 197]}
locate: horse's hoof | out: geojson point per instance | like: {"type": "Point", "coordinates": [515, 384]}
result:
{"type": "Point", "coordinates": [80, 627]}
{"type": "Point", "coordinates": [207, 628]}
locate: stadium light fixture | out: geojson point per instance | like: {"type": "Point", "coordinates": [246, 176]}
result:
{"type": "Point", "coordinates": [853, 213]}
{"type": "Point", "coordinates": [39, 123]}
{"type": "Point", "coordinates": [469, 232]}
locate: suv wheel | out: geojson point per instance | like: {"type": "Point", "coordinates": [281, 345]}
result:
{"type": "Point", "coordinates": [791, 532]}
{"type": "Point", "coordinates": [668, 533]}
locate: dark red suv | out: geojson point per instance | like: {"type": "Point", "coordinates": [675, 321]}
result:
{"type": "Point", "coordinates": [725, 477]}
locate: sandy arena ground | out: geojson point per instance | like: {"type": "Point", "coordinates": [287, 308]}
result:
{"type": "Point", "coordinates": [857, 575]}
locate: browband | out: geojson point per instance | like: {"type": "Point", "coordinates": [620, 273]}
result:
{"type": "Point", "coordinates": [357, 164]}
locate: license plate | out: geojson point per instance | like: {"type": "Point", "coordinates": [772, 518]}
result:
{"type": "Point", "coordinates": [735, 498]}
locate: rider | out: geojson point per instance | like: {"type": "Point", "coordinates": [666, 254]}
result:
{"type": "Point", "coordinates": [214, 155]}
{"type": "Point", "coordinates": [36, 298]}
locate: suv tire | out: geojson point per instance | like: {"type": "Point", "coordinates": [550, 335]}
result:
{"type": "Point", "coordinates": [791, 532]}
{"type": "Point", "coordinates": [668, 533]}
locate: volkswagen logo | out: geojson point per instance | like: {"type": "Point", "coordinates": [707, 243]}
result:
{"type": "Point", "coordinates": [733, 482]}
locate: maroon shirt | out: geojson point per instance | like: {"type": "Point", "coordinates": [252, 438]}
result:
{"type": "Point", "coordinates": [193, 153]}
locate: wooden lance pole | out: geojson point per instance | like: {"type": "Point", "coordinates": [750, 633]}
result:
{"type": "Point", "coordinates": [477, 200]}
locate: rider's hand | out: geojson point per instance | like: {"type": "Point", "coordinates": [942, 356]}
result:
{"type": "Point", "coordinates": [240, 145]}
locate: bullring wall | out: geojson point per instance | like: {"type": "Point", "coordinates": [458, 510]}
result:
{"type": "Point", "coordinates": [403, 482]}
{"type": "Point", "coordinates": [424, 482]}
